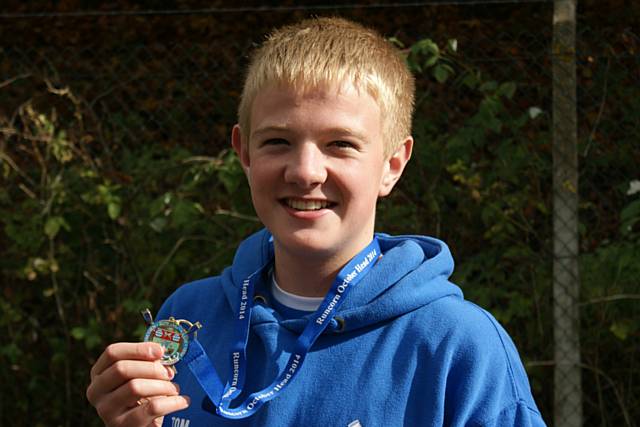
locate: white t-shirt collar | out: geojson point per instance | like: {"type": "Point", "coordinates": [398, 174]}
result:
{"type": "Point", "coordinates": [293, 301]}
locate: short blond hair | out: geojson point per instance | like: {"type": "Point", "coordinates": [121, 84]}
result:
{"type": "Point", "coordinates": [320, 51]}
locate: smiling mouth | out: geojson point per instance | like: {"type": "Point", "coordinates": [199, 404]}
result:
{"type": "Point", "coordinates": [307, 205]}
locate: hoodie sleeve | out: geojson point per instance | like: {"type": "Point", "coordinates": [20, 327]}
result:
{"type": "Point", "coordinates": [487, 384]}
{"type": "Point", "coordinates": [518, 414]}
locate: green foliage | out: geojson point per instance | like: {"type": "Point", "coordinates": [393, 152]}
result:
{"type": "Point", "coordinates": [481, 180]}
{"type": "Point", "coordinates": [488, 181]}
{"type": "Point", "coordinates": [93, 231]}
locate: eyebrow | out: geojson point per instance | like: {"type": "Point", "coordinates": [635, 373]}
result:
{"type": "Point", "coordinates": [266, 129]}
{"type": "Point", "coordinates": [343, 131]}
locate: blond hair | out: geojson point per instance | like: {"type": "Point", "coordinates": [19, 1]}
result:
{"type": "Point", "coordinates": [321, 51]}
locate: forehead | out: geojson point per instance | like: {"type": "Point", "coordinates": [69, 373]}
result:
{"type": "Point", "coordinates": [336, 105]}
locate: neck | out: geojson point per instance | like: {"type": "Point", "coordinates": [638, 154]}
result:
{"type": "Point", "coordinates": [305, 276]}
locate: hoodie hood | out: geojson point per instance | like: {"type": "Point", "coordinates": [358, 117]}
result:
{"type": "Point", "coordinates": [412, 273]}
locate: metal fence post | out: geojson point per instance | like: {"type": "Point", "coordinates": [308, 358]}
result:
{"type": "Point", "coordinates": [566, 283]}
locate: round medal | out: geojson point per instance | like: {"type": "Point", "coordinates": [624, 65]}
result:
{"type": "Point", "coordinates": [170, 335]}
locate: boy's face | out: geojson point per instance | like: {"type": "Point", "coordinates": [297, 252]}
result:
{"type": "Point", "coordinates": [316, 166]}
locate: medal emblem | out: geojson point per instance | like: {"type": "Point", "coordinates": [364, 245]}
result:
{"type": "Point", "coordinates": [172, 334]}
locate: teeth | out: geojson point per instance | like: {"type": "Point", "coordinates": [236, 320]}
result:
{"type": "Point", "coordinates": [307, 205]}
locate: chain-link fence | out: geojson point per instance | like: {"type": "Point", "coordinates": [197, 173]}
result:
{"type": "Point", "coordinates": [526, 165]}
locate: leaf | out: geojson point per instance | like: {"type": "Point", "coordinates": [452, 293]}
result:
{"type": "Point", "coordinates": [452, 44]}
{"type": "Point", "coordinates": [629, 216]}
{"type": "Point", "coordinates": [507, 90]}
{"type": "Point", "coordinates": [230, 174]}
{"type": "Point", "coordinates": [634, 187]}
{"type": "Point", "coordinates": [93, 341]}
{"type": "Point", "coordinates": [426, 46]}
{"type": "Point", "coordinates": [415, 66]}
{"type": "Point", "coordinates": [441, 73]}
{"type": "Point", "coordinates": [183, 213]}
{"type": "Point", "coordinates": [113, 209]}
{"type": "Point", "coordinates": [53, 225]}
{"type": "Point", "coordinates": [488, 86]}
{"type": "Point", "coordinates": [78, 332]}
{"type": "Point", "coordinates": [489, 106]}
{"type": "Point", "coordinates": [158, 224]}
{"type": "Point", "coordinates": [132, 305]}
{"type": "Point", "coordinates": [430, 62]}
{"type": "Point", "coordinates": [396, 41]}
{"type": "Point", "coordinates": [470, 81]}
{"type": "Point", "coordinates": [631, 211]}
{"type": "Point", "coordinates": [534, 112]}
{"type": "Point", "coordinates": [494, 124]}
{"type": "Point", "coordinates": [41, 265]}
{"type": "Point", "coordinates": [620, 330]}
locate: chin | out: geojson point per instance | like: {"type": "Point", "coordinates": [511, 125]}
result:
{"type": "Point", "coordinates": [307, 242]}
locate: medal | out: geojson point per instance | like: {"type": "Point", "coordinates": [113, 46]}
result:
{"type": "Point", "coordinates": [172, 334]}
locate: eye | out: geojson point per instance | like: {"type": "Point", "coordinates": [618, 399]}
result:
{"type": "Point", "coordinates": [344, 144]}
{"type": "Point", "coordinates": [275, 141]}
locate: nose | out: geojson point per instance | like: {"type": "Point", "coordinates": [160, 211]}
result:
{"type": "Point", "coordinates": [306, 167]}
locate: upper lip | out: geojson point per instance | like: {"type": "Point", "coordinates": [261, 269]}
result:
{"type": "Point", "coordinates": [307, 199]}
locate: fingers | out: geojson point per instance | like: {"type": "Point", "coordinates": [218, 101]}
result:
{"type": "Point", "coordinates": [149, 410]}
{"type": "Point", "coordinates": [123, 371]}
{"type": "Point", "coordinates": [131, 393]}
{"type": "Point", "coordinates": [126, 351]}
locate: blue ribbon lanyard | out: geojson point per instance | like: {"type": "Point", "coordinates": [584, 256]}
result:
{"type": "Point", "coordinates": [204, 371]}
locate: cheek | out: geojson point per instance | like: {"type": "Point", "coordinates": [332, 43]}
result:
{"type": "Point", "coordinates": [264, 183]}
{"type": "Point", "coordinates": [258, 174]}
{"type": "Point", "coordinates": [361, 188]}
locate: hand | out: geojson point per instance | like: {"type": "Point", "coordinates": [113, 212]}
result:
{"type": "Point", "coordinates": [131, 388]}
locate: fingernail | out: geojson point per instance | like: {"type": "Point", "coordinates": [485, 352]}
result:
{"type": "Point", "coordinates": [155, 351]}
{"type": "Point", "coordinates": [188, 400]}
{"type": "Point", "coordinates": [170, 372]}
{"type": "Point", "coordinates": [177, 387]}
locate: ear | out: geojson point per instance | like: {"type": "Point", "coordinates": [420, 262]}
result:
{"type": "Point", "coordinates": [394, 166]}
{"type": "Point", "coordinates": [241, 148]}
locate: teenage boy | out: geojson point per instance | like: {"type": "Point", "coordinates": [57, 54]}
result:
{"type": "Point", "coordinates": [319, 321]}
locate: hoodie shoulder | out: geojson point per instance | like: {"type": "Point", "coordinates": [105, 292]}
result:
{"type": "Point", "coordinates": [188, 300]}
{"type": "Point", "coordinates": [485, 378]}
{"type": "Point", "coordinates": [198, 297]}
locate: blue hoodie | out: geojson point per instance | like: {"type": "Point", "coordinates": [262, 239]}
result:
{"type": "Point", "coordinates": [405, 349]}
